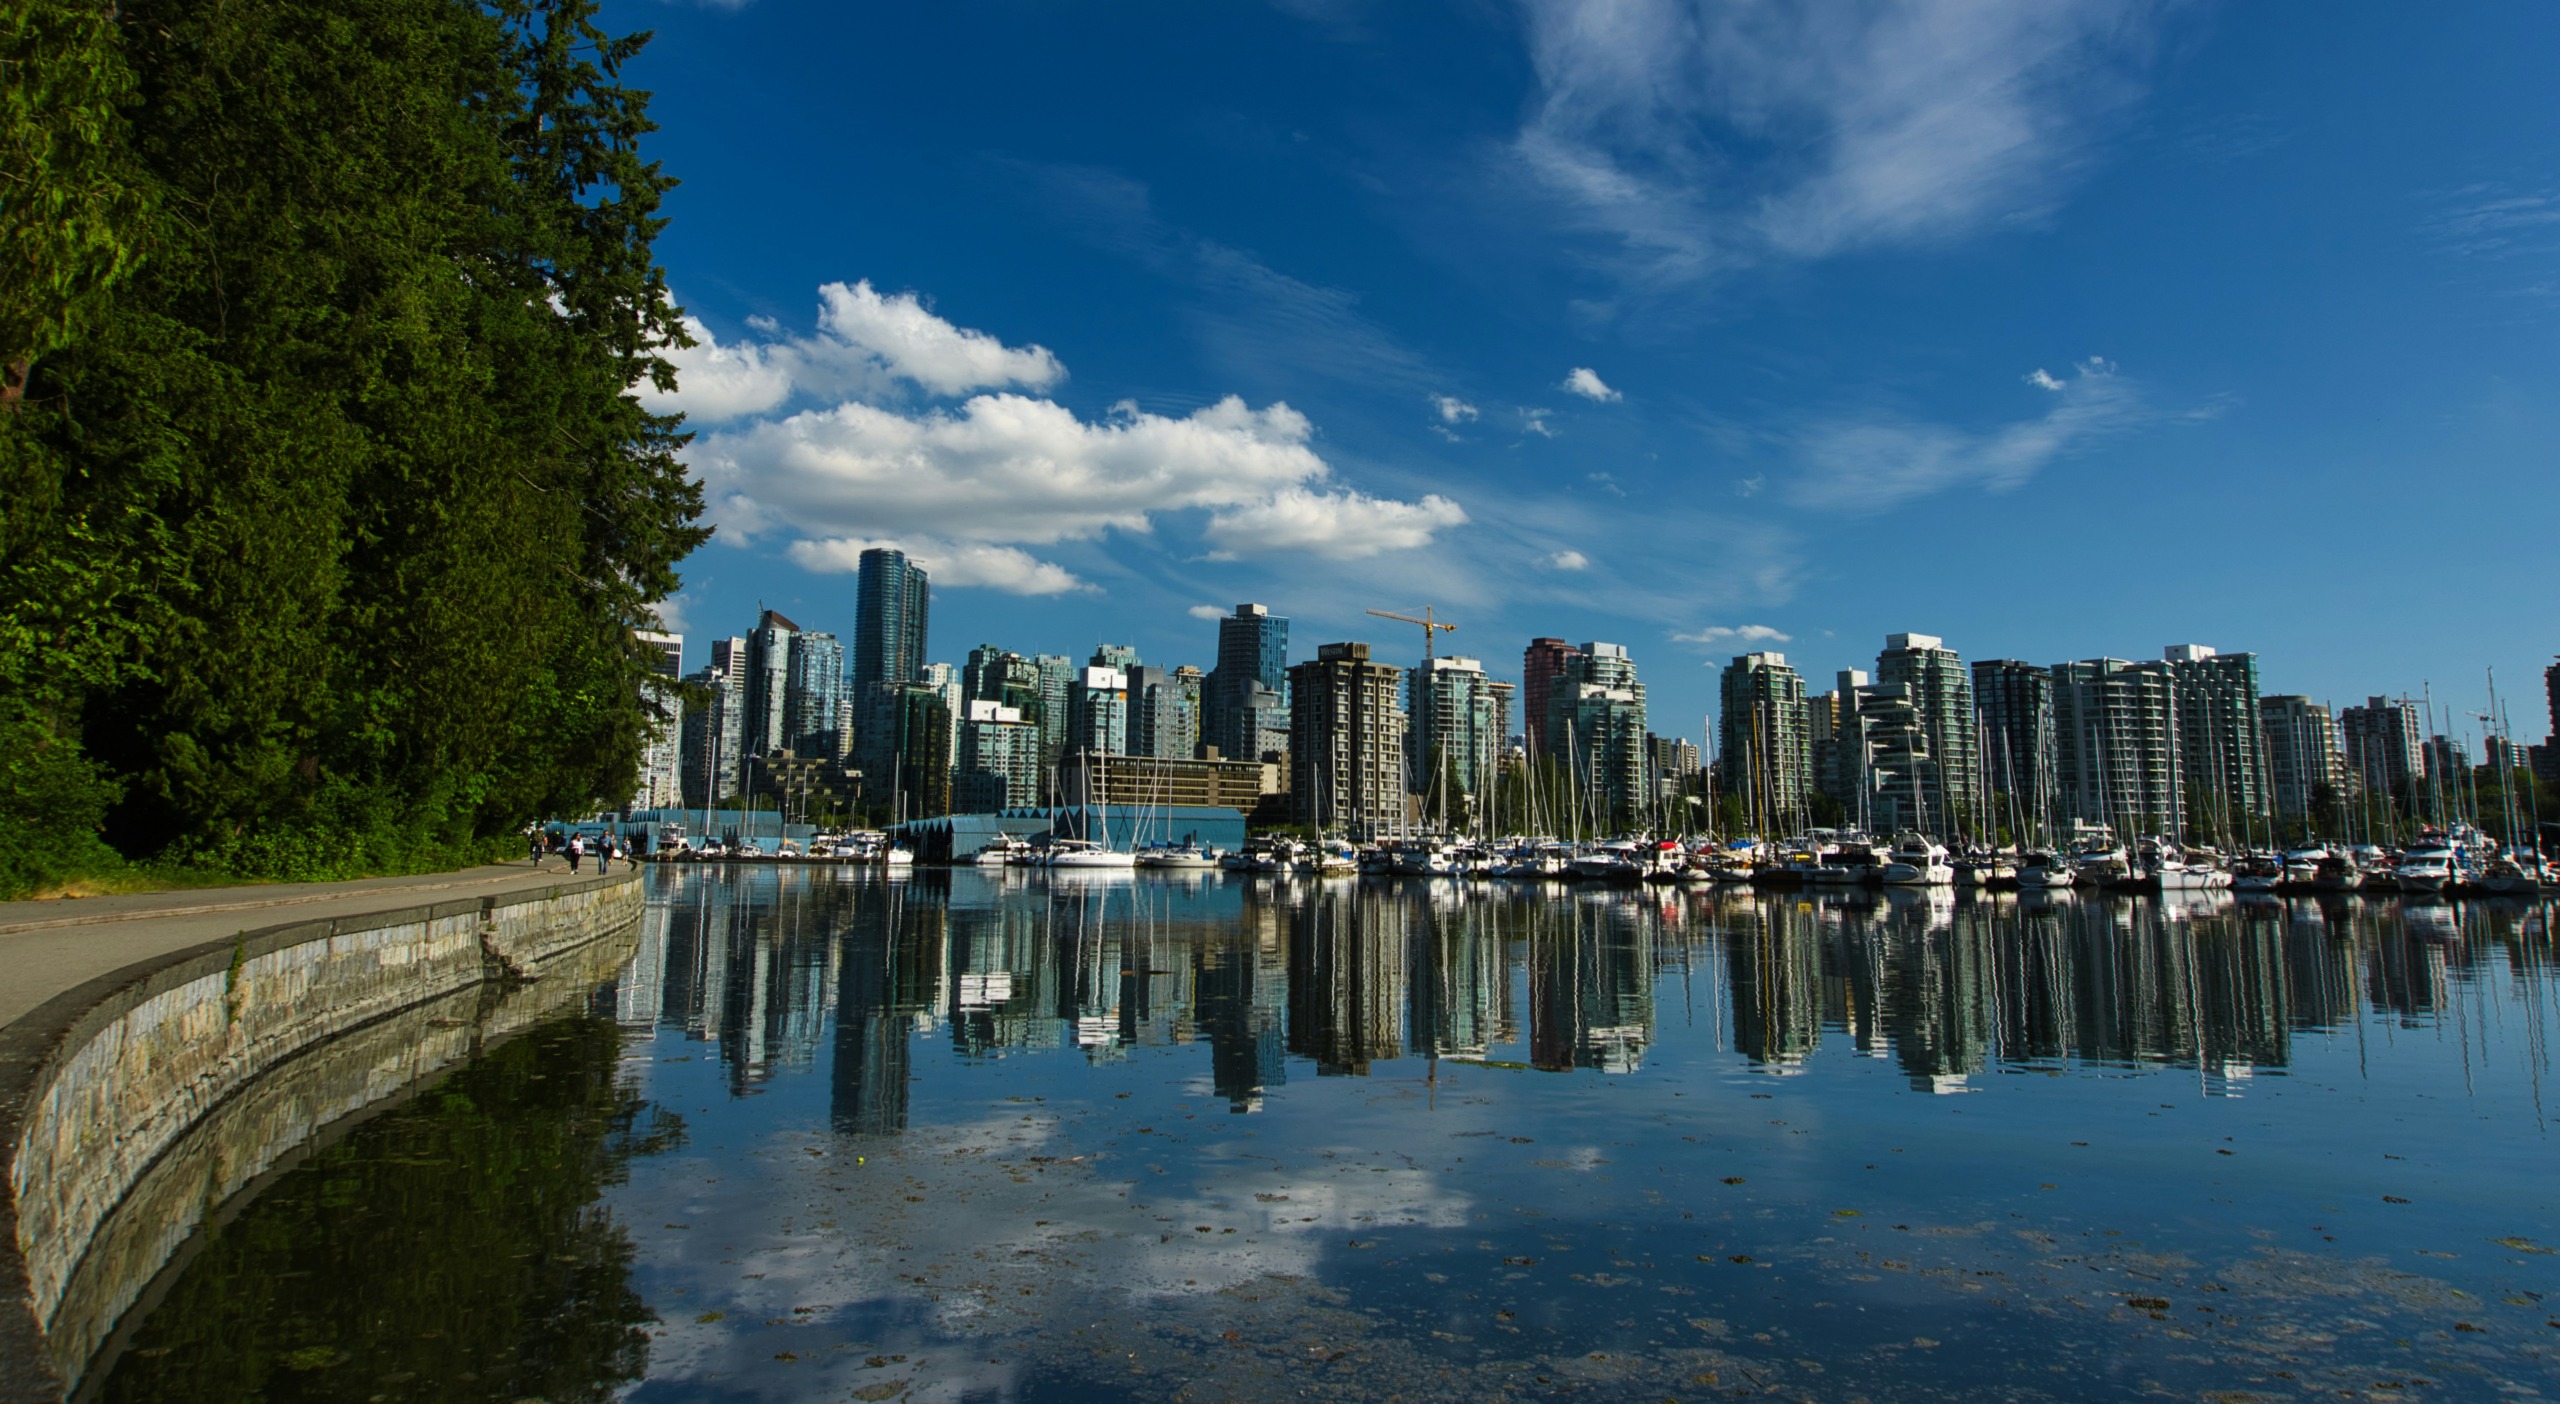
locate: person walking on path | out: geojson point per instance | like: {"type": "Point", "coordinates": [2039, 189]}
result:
{"type": "Point", "coordinates": [604, 855]}
{"type": "Point", "coordinates": [534, 841]}
{"type": "Point", "coordinates": [577, 850]}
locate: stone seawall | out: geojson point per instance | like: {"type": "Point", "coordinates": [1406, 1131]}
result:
{"type": "Point", "coordinates": [133, 1105]}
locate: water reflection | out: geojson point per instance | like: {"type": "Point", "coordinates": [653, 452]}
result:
{"type": "Point", "coordinates": [1343, 976]}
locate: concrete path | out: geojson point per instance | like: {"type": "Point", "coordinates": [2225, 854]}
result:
{"type": "Point", "coordinates": [49, 947]}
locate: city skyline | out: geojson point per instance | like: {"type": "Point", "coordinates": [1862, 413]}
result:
{"type": "Point", "coordinates": [2224, 355]}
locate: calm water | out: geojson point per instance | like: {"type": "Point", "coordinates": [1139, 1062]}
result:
{"type": "Point", "coordinates": [961, 1136]}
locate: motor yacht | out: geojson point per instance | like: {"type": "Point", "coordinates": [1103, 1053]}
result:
{"type": "Point", "coordinates": [1917, 861]}
{"type": "Point", "coordinates": [2042, 869]}
{"type": "Point", "coordinates": [1180, 856]}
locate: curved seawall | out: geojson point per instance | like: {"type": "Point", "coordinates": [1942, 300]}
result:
{"type": "Point", "coordinates": [135, 1105]}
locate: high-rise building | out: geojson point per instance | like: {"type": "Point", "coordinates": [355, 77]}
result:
{"type": "Point", "coordinates": [1541, 663]}
{"type": "Point", "coordinates": [1670, 764]}
{"type": "Point", "coordinates": [2551, 696]}
{"type": "Point", "coordinates": [2503, 757]}
{"type": "Point", "coordinates": [998, 765]}
{"type": "Point", "coordinates": [2384, 751]}
{"type": "Point", "coordinates": [1346, 752]}
{"type": "Point", "coordinates": [1191, 686]}
{"type": "Point", "coordinates": [1765, 738]}
{"type": "Point", "coordinates": [919, 743]}
{"type": "Point", "coordinates": [813, 706]}
{"type": "Point", "coordinates": [1947, 782]}
{"type": "Point", "coordinates": [768, 682]}
{"type": "Point", "coordinates": [2303, 756]}
{"type": "Point", "coordinates": [1831, 741]}
{"type": "Point", "coordinates": [1894, 770]}
{"type": "Point", "coordinates": [1459, 721]}
{"type": "Point", "coordinates": [891, 600]}
{"type": "Point", "coordinates": [1098, 710]}
{"type": "Point", "coordinates": [2115, 746]}
{"type": "Point", "coordinates": [2221, 758]}
{"type": "Point", "coordinates": [715, 732]}
{"type": "Point", "coordinates": [662, 741]}
{"type": "Point", "coordinates": [2013, 712]}
{"type": "Point", "coordinates": [2448, 758]}
{"type": "Point", "coordinates": [1245, 700]}
{"type": "Point", "coordinates": [1596, 729]}
{"type": "Point", "coordinates": [1161, 722]}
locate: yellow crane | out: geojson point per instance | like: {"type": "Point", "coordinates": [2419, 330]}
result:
{"type": "Point", "coordinates": [1431, 630]}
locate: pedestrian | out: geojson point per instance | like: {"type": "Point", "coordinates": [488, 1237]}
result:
{"type": "Point", "coordinates": [577, 850]}
{"type": "Point", "coordinates": [604, 854]}
{"type": "Point", "coordinates": [533, 841]}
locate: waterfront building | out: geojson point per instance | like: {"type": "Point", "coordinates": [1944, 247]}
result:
{"type": "Point", "coordinates": [1191, 689]}
{"type": "Point", "coordinates": [892, 598]}
{"type": "Point", "coordinates": [2303, 756]}
{"type": "Point", "coordinates": [1596, 730]}
{"type": "Point", "coordinates": [1894, 772]}
{"type": "Point", "coordinates": [715, 732]}
{"type": "Point", "coordinates": [1244, 711]}
{"type": "Point", "coordinates": [1346, 753]}
{"type": "Point", "coordinates": [1142, 781]}
{"type": "Point", "coordinates": [993, 674]}
{"type": "Point", "coordinates": [2448, 760]}
{"type": "Point", "coordinates": [919, 744]}
{"type": "Point", "coordinates": [1672, 765]}
{"type": "Point", "coordinates": [1058, 676]}
{"type": "Point", "coordinates": [813, 703]}
{"type": "Point", "coordinates": [1541, 663]}
{"type": "Point", "coordinates": [1946, 782]}
{"type": "Point", "coordinates": [1163, 716]}
{"type": "Point", "coordinates": [768, 682]}
{"type": "Point", "coordinates": [661, 779]}
{"type": "Point", "coordinates": [2013, 715]}
{"type": "Point", "coordinates": [998, 762]}
{"type": "Point", "coordinates": [2504, 757]}
{"type": "Point", "coordinates": [2221, 760]}
{"type": "Point", "coordinates": [1765, 736]}
{"type": "Point", "coordinates": [2384, 752]}
{"type": "Point", "coordinates": [1098, 709]}
{"type": "Point", "coordinates": [1834, 762]}
{"type": "Point", "coordinates": [1459, 721]}
{"type": "Point", "coordinates": [2115, 746]}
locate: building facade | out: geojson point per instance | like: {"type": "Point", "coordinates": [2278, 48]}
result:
{"type": "Point", "coordinates": [2115, 746]}
{"type": "Point", "coordinates": [1541, 663]}
{"type": "Point", "coordinates": [2306, 767]}
{"type": "Point", "coordinates": [1346, 751]}
{"type": "Point", "coordinates": [2013, 715]}
{"type": "Point", "coordinates": [2385, 749]}
{"type": "Point", "coordinates": [1098, 710]}
{"type": "Point", "coordinates": [1596, 730]}
{"type": "Point", "coordinates": [1764, 733]}
{"type": "Point", "coordinates": [813, 707]}
{"type": "Point", "coordinates": [1460, 720]}
{"type": "Point", "coordinates": [892, 598]}
{"type": "Point", "coordinates": [1244, 701]}
{"type": "Point", "coordinates": [768, 682]}
{"type": "Point", "coordinates": [2221, 752]}
{"type": "Point", "coordinates": [661, 784]}
{"type": "Point", "coordinates": [998, 762]}
{"type": "Point", "coordinates": [1945, 783]}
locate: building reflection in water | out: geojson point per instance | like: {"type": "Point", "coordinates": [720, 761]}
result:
{"type": "Point", "coordinates": [766, 966]}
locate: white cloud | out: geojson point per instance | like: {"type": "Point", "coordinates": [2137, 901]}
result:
{"type": "Point", "coordinates": [1606, 482]}
{"type": "Point", "coordinates": [864, 345]}
{"type": "Point", "coordinates": [1807, 129]}
{"type": "Point", "coordinates": [1339, 526]}
{"type": "Point", "coordinates": [1736, 633]}
{"type": "Point", "coordinates": [1586, 382]}
{"type": "Point", "coordinates": [1452, 409]}
{"type": "Point", "coordinates": [1569, 560]}
{"type": "Point", "coordinates": [947, 563]}
{"type": "Point", "coordinates": [672, 613]}
{"type": "Point", "coordinates": [1534, 421]}
{"type": "Point", "coordinates": [1867, 464]}
{"type": "Point", "coordinates": [2042, 379]}
{"type": "Point", "coordinates": [1209, 612]}
{"type": "Point", "coordinates": [1750, 486]}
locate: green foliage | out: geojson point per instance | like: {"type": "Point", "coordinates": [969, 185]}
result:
{"type": "Point", "coordinates": [329, 511]}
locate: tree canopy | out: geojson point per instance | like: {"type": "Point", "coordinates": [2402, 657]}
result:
{"type": "Point", "coordinates": [327, 509]}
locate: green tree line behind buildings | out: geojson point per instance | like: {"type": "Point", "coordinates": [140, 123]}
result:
{"type": "Point", "coordinates": [326, 506]}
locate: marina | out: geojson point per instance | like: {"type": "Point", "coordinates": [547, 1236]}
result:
{"type": "Point", "coordinates": [1044, 1134]}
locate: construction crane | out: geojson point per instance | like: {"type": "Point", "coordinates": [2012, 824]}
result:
{"type": "Point", "coordinates": [1431, 630]}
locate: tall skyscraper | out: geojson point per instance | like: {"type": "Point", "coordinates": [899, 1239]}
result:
{"type": "Point", "coordinates": [919, 745]}
{"type": "Point", "coordinates": [1948, 779]}
{"type": "Point", "coordinates": [768, 682]}
{"type": "Point", "coordinates": [715, 733]}
{"type": "Point", "coordinates": [2221, 761]}
{"type": "Point", "coordinates": [1459, 721]}
{"type": "Point", "coordinates": [1158, 710]}
{"type": "Point", "coordinates": [2115, 746]}
{"type": "Point", "coordinates": [1838, 767]}
{"type": "Point", "coordinates": [2013, 705]}
{"type": "Point", "coordinates": [1596, 727]}
{"type": "Point", "coordinates": [1346, 752]}
{"type": "Point", "coordinates": [1244, 703]}
{"type": "Point", "coordinates": [1765, 736]}
{"type": "Point", "coordinates": [1098, 710]}
{"type": "Point", "coordinates": [1057, 680]}
{"type": "Point", "coordinates": [2303, 756]}
{"type": "Point", "coordinates": [812, 707]}
{"type": "Point", "coordinates": [1541, 663]}
{"type": "Point", "coordinates": [1670, 763]}
{"type": "Point", "coordinates": [891, 600]}
{"type": "Point", "coordinates": [2385, 752]}
{"type": "Point", "coordinates": [662, 743]}
{"type": "Point", "coordinates": [998, 766]}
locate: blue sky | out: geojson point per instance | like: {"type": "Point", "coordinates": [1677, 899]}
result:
{"type": "Point", "coordinates": [2058, 328]}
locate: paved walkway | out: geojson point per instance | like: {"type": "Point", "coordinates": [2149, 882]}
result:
{"type": "Point", "coordinates": [49, 947]}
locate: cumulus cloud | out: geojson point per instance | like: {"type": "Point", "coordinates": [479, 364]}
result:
{"type": "Point", "coordinates": [1340, 526]}
{"type": "Point", "coordinates": [948, 563]}
{"type": "Point", "coordinates": [1534, 421]}
{"type": "Point", "coordinates": [1210, 612]}
{"type": "Point", "coordinates": [1803, 130]}
{"type": "Point", "coordinates": [964, 487]}
{"type": "Point", "coordinates": [2043, 379]}
{"type": "Point", "coordinates": [1734, 633]}
{"type": "Point", "coordinates": [1452, 409]}
{"type": "Point", "coordinates": [1869, 463]}
{"type": "Point", "coordinates": [1569, 560]}
{"type": "Point", "coordinates": [864, 344]}
{"type": "Point", "coordinates": [1586, 382]}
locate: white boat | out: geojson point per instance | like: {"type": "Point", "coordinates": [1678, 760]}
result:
{"type": "Point", "coordinates": [2180, 870]}
{"type": "Point", "coordinates": [1917, 861]}
{"type": "Point", "coordinates": [1186, 856]}
{"type": "Point", "coordinates": [2426, 866]}
{"type": "Point", "coordinates": [1084, 853]}
{"type": "Point", "coordinates": [2043, 870]}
